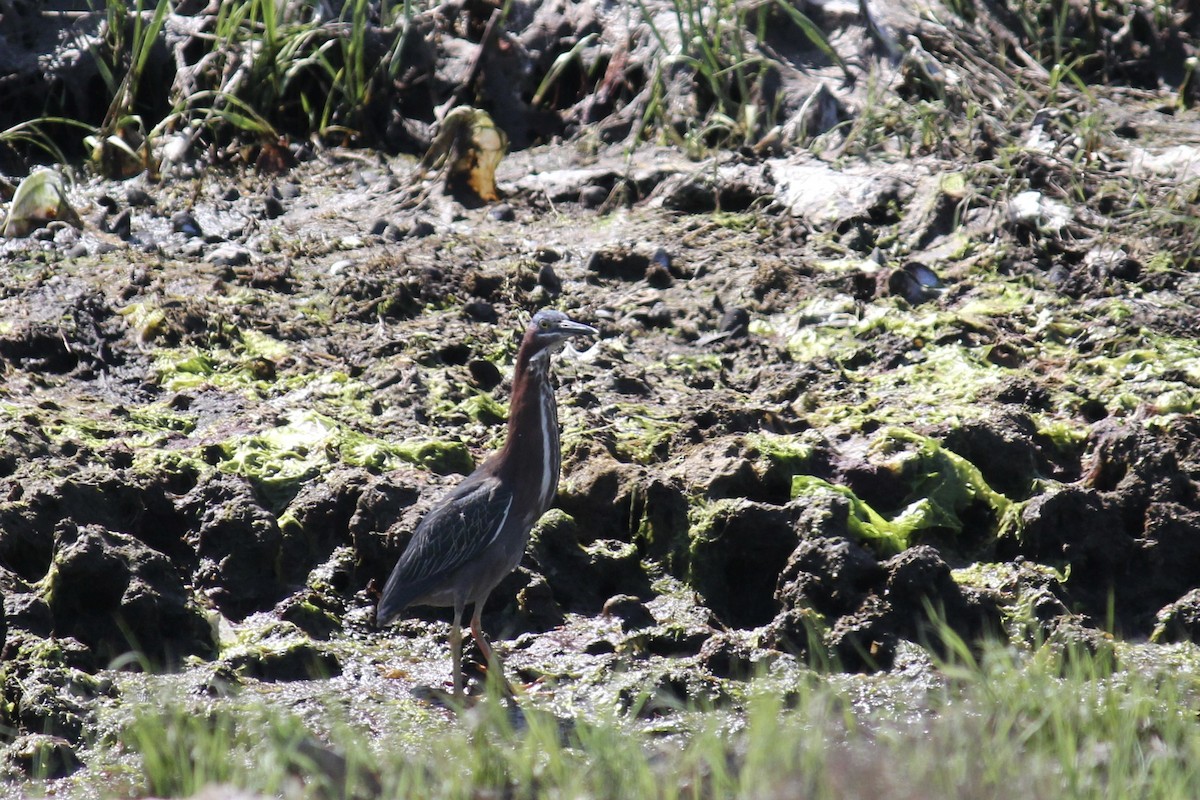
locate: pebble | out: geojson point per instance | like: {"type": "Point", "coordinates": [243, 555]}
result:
{"type": "Point", "coordinates": [592, 196]}
{"type": "Point", "coordinates": [184, 222]}
{"type": "Point", "coordinates": [735, 321]}
{"type": "Point", "coordinates": [229, 255]}
{"type": "Point", "coordinates": [631, 611]}
{"type": "Point", "coordinates": [549, 279]}
{"type": "Point", "coordinates": [658, 275]}
{"type": "Point", "coordinates": [484, 374]}
{"type": "Point", "coordinates": [421, 228]}
{"type": "Point", "coordinates": [915, 282]}
{"type": "Point", "coordinates": [272, 208]}
{"type": "Point", "coordinates": [340, 266]}
{"type": "Point", "coordinates": [659, 316]}
{"type": "Point", "coordinates": [481, 310]}
{"type": "Point", "coordinates": [502, 213]}
{"type": "Point", "coordinates": [64, 234]}
{"type": "Point", "coordinates": [122, 225]}
{"type": "Point", "coordinates": [137, 196]}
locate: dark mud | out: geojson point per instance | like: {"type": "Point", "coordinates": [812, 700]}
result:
{"type": "Point", "coordinates": [826, 401]}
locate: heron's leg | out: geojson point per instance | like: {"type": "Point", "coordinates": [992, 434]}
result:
{"type": "Point", "coordinates": [489, 655]}
{"type": "Point", "coordinates": [456, 650]}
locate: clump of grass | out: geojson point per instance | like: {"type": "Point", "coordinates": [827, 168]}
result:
{"type": "Point", "coordinates": [716, 48]}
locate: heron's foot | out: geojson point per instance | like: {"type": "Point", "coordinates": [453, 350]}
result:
{"type": "Point", "coordinates": [444, 698]}
{"type": "Point", "coordinates": [495, 673]}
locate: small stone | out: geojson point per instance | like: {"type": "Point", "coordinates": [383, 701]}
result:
{"type": "Point", "coordinates": [181, 401]}
{"type": "Point", "coordinates": [549, 279]}
{"type": "Point", "coordinates": [735, 321]}
{"type": "Point", "coordinates": [272, 208]}
{"type": "Point", "coordinates": [484, 374]}
{"type": "Point", "coordinates": [658, 276]}
{"type": "Point", "coordinates": [915, 282]}
{"type": "Point", "coordinates": [137, 196]}
{"type": "Point", "coordinates": [183, 222]}
{"type": "Point", "coordinates": [1032, 209]}
{"type": "Point", "coordinates": [481, 310]}
{"type": "Point", "coordinates": [64, 234]}
{"type": "Point", "coordinates": [121, 225]}
{"type": "Point", "coordinates": [77, 250]}
{"type": "Point", "coordinates": [659, 316]}
{"type": "Point", "coordinates": [379, 227]}
{"type": "Point", "coordinates": [502, 213]}
{"type": "Point", "coordinates": [593, 196]}
{"type": "Point", "coordinates": [288, 191]}
{"type": "Point", "coordinates": [632, 612]}
{"type": "Point", "coordinates": [229, 255]}
{"type": "Point", "coordinates": [340, 266]}
{"type": "Point", "coordinates": [231, 194]}
{"type": "Point", "coordinates": [421, 228]}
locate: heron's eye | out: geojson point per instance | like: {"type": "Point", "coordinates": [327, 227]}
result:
{"type": "Point", "coordinates": [544, 324]}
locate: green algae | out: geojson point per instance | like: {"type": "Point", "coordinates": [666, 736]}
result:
{"type": "Point", "coordinates": [693, 364]}
{"type": "Point", "coordinates": [864, 522]}
{"type": "Point", "coordinates": [248, 365]}
{"type": "Point", "coordinates": [145, 320]}
{"type": "Point", "coordinates": [307, 443]}
{"type": "Point", "coordinates": [639, 434]}
{"type": "Point", "coordinates": [642, 433]}
{"type": "Point", "coordinates": [792, 452]}
{"type": "Point", "coordinates": [942, 486]}
{"type": "Point", "coordinates": [1019, 587]}
{"type": "Point", "coordinates": [160, 417]}
{"type": "Point", "coordinates": [484, 408]}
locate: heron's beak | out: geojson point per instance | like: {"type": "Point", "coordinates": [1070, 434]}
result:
{"type": "Point", "coordinates": [569, 327]}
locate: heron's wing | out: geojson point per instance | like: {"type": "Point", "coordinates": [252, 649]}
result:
{"type": "Point", "coordinates": [452, 534]}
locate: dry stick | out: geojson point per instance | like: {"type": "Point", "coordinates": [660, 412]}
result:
{"type": "Point", "coordinates": [474, 70]}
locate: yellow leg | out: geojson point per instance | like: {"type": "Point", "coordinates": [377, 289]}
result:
{"type": "Point", "coordinates": [489, 655]}
{"type": "Point", "coordinates": [456, 638]}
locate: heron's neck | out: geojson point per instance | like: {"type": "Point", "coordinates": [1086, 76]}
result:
{"type": "Point", "coordinates": [532, 445]}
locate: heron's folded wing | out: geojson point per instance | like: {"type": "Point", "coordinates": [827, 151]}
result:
{"type": "Point", "coordinates": [454, 533]}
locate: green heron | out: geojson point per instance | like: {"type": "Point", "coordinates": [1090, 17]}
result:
{"type": "Point", "coordinates": [476, 535]}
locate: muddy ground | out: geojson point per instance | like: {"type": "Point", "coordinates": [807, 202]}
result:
{"type": "Point", "coordinates": [829, 395]}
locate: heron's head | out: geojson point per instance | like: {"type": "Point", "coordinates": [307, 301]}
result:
{"type": "Point", "coordinates": [550, 329]}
